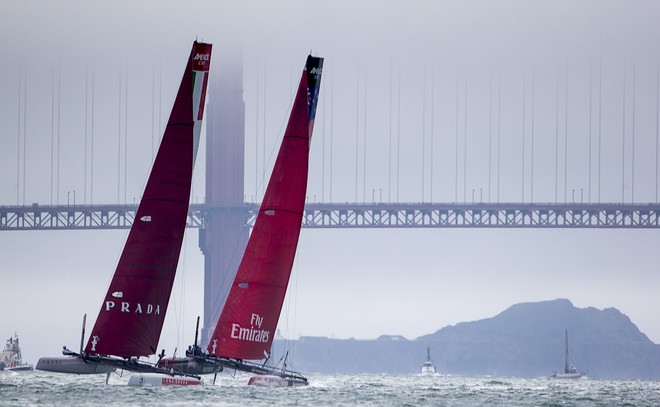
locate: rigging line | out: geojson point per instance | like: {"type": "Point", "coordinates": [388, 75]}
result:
{"type": "Point", "coordinates": [295, 308]}
{"type": "Point", "coordinates": [180, 326]}
{"type": "Point", "coordinates": [160, 100]}
{"type": "Point", "coordinates": [657, 108]}
{"type": "Point", "coordinates": [153, 109]}
{"type": "Point", "coordinates": [227, 276]}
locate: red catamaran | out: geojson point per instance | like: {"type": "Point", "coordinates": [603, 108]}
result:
{"type": "Point", "coordinates": [246, 327]}
{"type": "Point", "coordinates": [131, 318]}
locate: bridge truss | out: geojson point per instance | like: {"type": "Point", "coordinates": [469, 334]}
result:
{"type": "Point", "coordinates": [349, 215]}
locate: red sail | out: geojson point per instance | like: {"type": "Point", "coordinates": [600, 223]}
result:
{"type": "Point", "coordinates": [133, 311]}
{"type": "Point", "coordinates": [248, 320]}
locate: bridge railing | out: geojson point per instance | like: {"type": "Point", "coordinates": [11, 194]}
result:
{"type": "Point", "coordinates": [349, 215]}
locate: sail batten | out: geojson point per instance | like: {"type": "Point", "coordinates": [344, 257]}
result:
{"type": "Point", "coordinates": [132, 314]}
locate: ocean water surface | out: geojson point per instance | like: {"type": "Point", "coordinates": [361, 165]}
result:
{"type": "Point", "coordinates": [50, 389]}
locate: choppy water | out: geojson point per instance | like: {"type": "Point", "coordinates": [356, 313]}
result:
{"type": "Point", "coordinates": [42, 388]}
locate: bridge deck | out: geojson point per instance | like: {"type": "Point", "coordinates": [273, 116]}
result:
{"type": "Point", "coordinates": [349, 215]}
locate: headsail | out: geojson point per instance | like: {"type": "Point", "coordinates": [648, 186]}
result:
{"type": "Point", "coordinates": [246, 326]}
{"type": "Point", "coordinates": [133, 311]}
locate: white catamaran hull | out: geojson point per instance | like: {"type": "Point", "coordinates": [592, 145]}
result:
{"type": "Point", "coordinates": [159, 380]}
{"type": "Point", "coordinates": [71, 364]}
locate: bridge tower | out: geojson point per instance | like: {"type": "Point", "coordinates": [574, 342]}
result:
{"type": "Point", "coordinates": [224, 238]}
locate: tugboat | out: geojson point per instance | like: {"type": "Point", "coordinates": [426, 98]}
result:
{"type": "Point", "coordinates": [11, 359]}
{"type": "Point", "coordinates": [427, 367]}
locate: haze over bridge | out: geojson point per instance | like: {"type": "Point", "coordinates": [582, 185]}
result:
{"type": "Point", "coordinates": [223, 217]}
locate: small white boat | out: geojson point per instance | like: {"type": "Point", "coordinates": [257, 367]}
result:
{"type": "Point", "coordinates": [11, 359]}
{"type": "Point", "coordinates": [427, 367]}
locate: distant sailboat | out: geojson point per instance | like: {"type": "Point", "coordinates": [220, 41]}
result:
{"type": "Point", "coordinates": [427, 367]}
{"type": "Point", "coordinates": [131, 318]}
{"type": "Point", "coordinates": [246, 326]}
{"type": "Point", "coordinates": [570, 372]}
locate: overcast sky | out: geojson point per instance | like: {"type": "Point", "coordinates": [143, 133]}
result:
{"type": "Point", "coordinates": [558, 98]}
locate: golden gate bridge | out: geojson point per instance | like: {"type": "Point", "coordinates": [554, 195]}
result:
{"type": "Point", "coordinates": [224, 215]}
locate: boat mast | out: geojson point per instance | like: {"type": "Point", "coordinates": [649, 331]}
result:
{"type": "Point", "coordinates": [82, 334]}
{"type": "Point", "coordinates": [566, 366]}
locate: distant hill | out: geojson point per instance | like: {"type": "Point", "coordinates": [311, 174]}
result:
{"type": "Point", "coordinates": [525, 340]}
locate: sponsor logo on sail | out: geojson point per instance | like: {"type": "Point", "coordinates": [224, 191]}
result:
{"type": "Point", "coordinates": [95, 341]}
{"type": "Point", "coordinates": [252, 334]}
{"type": "Point", "coordinates": [316, 71]}
{"type": "Point", "coordinates": [201, 61]}
{"type": "Point", "coordinates": [118, 294]}
{"type": "Point", "coordinates": [135, 309]}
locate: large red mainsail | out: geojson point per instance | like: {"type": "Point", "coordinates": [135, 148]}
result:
{"type": "Point", "coordinates": [133, 311]}
{"type": "Point", "coordinates": [246, 326]}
